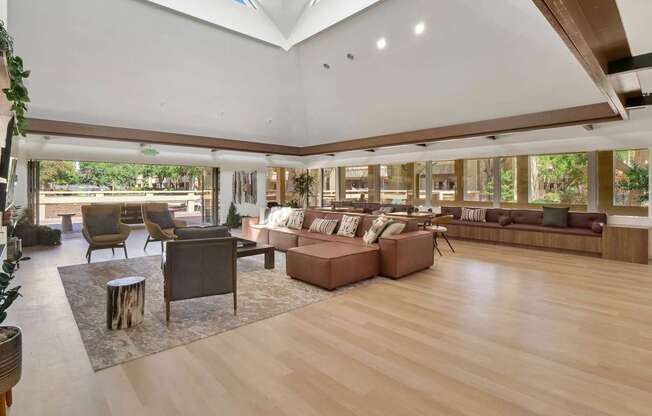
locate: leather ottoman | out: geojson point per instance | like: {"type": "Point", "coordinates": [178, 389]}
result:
{"type": "Point", "coordinates": [331, 265]}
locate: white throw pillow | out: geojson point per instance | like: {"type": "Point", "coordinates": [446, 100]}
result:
{"type": "Point", "coordinates": [474, 214]}
{"type": "Point", "coordinates": [279, 217]}
{"type": "Point", "coordinates": [376, 229]}
{"type": "Point", "coordinates": [323, 226]}
{"type": "Point", "coordinates": [349, 226]}
{"type": "Point", "coordinates": [295, 220]}
{"type": "Point", "coordinates": [393, 229]}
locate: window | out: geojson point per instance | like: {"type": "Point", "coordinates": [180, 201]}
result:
{"type": "Point", "coordinates": [395, 183]}
{"type": "Point", "coordinates": [508, 179]}
{"type": "Point", "coordinates": [558, 179]}
{"type": "Point", "coordinates": [329, 188]}
{"type": "Point", "coordinates": [247, 3]}
{"type": "Point", "coordinates": [272, 185]}
{"type": "Point", "coordinates": [315, 189]}
{"type": "Point", "coordinates": [631, 178]}
{"type": "Point", "coordinates": [478, 180]}
{"type": "Point", "coordinates": [443, 181]}
{"type": "Point", "coordinates": [291, 197]}
{"type": "Point", "coordinates": [356, 183]}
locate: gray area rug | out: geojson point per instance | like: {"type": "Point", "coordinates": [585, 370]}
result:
{"type": "Point", "coordinates": [261, 294]}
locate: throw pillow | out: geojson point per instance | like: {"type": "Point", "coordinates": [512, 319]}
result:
{"type": "Point", "coordinates": [597, 227]}
{"type": "Point", "coordinates": [195, 233]}
{"type": "Point", "coordinates": [555, 217]}
{"type": "Point", "coordinates": [376, 229]}
{"type": "Point", "coordinates": [161, 218]}
{"type": "Point", "coordinates": [102, 224]}
{"type": "Point", "coordinates": [474, 214]}
{"type": "Point", "coordinates": [393, 229]}
{"type": "Point", "coordinates": [323, 226]}
{"type": "Point", "coordinates": [295, 220]}
{"type": "Point", "coordinates": [349, 226]}
{"type": "Point", "coordinates": [278, 217]}
{"type": "Point", "coordinates": [504, 220]}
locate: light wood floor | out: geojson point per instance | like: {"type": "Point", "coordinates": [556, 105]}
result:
{"type": "Point", "coordinates": [490, 330]}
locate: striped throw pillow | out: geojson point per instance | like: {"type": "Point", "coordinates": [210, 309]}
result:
{"type": "Point", "coordinates": [323, 226]}
{"type": "Point", "coordinates": [349, 226]}
{"type": "Point", "coordinates": [474, 214]}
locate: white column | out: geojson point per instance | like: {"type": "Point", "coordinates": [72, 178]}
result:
{"type": "Point", "coordinates": [497, 182]}
{"type": "Point", "coordinates": [592, 198]}
{"type": "Point", "coordinates": [428, 185]}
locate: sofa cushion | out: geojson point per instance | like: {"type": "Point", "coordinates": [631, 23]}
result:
{"type": "Point", "coordinates": [555, 217]}
{"type": "Point", "coordinates": [504, 220]}
{"type": "Point", "coordinates": [585, 219]}
{"type": "Point", "coordinates": [161, 218]}
{"type": "Point", "coordinates": [494, 214]}
{"type": "Point", "coordinates": [525, 216]}
{"type": "Point", "coordinates": [348, 226]}
{"type": "Point", "coordinates": [456, 212]}
{"type": "Point", "coordinates": [323, 226]}
{"type": "Point", "coordinates": [295, 220]}
{"type": "Point", "coordinates": [103, 223]}
{"type": "Point", "coordinates": [309, 216]}
{"type": "Point", "coordinates": [597, 227]}
{"type": "Point", "coordinates": [474, 214]}
{"type": "Point", "coordinates": [195, 233]}
{"type": "Point", "coordinates": [393, 229]}
{"type": "Point", "coordinates": [377, 228]}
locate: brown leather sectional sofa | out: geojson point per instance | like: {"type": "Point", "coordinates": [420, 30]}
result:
{"type": "Point", "coordinates": [396, 256]}
{"type": "Point", "coordinates": [526, 229]}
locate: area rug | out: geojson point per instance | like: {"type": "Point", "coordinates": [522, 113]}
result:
{"type": "Point", "coordinates": [261, 294]}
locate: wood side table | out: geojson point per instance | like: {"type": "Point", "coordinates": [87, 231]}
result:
{"type": "Point", "coordinates": [625, 244]}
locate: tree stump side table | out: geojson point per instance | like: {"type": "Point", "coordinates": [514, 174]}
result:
{"type": "Point", "coordinates": [125, 302]}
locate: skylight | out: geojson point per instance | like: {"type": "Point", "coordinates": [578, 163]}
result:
{"type": "Point", "coordinates": [313, 2]}
{"type": "Point", "coordinates": [247, 3]}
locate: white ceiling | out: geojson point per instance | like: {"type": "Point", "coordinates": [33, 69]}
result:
{"type": "Point", "coordinates": [130, 63]}
{"type": "Point", "coordinates": [636, 16]}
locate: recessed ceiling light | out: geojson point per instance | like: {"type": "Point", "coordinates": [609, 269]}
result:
{"type": "Point", "coordinates": [419, 28]}
{"type": "Point", "coordinates": [381, 43]}
{"type": "Point", "coordinates": [327, 66]}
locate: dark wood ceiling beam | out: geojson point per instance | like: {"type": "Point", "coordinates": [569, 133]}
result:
{"type": "Point", "coordinates": [640, 101]}
{"type": "Point", "coordinates": [589, 40]}
{"type": "Point", "coordinates": [631, 64]}
{"type": "Point", "coordinates": [93, 131]}
{"type": "Point", "coordinates": [582, 115]}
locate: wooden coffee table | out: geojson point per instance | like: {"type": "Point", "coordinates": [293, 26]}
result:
{"type": "Point", "coordinates": [257, 249]}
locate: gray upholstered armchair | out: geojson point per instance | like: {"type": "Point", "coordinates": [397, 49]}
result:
{"type": "Point", "coordinates": [102, 228]}
{"type": "Point", "coordinates": [198, 268]}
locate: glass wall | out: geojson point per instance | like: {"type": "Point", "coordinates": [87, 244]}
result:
{"type": "Point", "coordinates": [395, 183]}
{"type": "Point", "coordinates": [558, 179]}
{"type": "Point", "coordinates": [508, 171]}
{"type": "Point", "coordinates": [315, 189]}
{"type": "Point", "coordinates": [443, 181]}
{"type": "Point", "coordinates": [64, 186]}
{"type": "Point", "coordinates": [356, 183]}
{"type": "Point", "coordinates": [329, 191]}
{"type": "Point", "coordinates": [272, 185]}
{"type": "Point", "coordinates": [631, 178]}
{"type": "Point", "coordinates": [478, 180]}
{"type": "Point", "coordinates": [291, 197]}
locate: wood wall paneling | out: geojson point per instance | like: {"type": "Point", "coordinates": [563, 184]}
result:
{"type": "Point", "coordinates": [625, 244]}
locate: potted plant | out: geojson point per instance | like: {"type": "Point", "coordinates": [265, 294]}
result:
{"type": "Point", "coordinates": [10, 336]}
{"type": "Point", "coordinates": [233, 219]}
{"type": "Point", "coordinates": [17, 93]}
{"type": "Point", "coordinates": [303, 185]}
{"type": "Point", "coordinates": [22, 228]}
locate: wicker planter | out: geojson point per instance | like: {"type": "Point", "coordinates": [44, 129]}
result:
{"type": "Point", "coordinates": [10, 359]}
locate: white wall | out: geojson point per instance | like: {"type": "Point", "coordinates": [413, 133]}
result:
{"type": "Point", "coordinates": [226, 192]}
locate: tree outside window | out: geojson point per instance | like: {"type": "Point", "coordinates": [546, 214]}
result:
{"type": "Point", "coordinates": [631, 178]}
{"type": "Point", "coordinates": [508, 179]}
{"type": "Point", "coordinates": [558, 179]}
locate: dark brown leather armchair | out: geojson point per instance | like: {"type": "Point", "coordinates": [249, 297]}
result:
{"type": "Point", "coordinates": [198, 268]}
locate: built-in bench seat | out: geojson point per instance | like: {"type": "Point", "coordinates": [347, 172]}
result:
{"type": "Point", "coordinates": [526, 229]}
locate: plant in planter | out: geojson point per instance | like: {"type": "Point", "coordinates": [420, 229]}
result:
{"type": "Point", "coordinates": [17, 93]}
{"type": "Point", "coordinates": [303, 185]}
{"type": "Point", "coordinates": [10, 336]}
{"type": "Point", "coordinates": [24, 228]}
{"type": "Point", "coordinates": [233, 219]}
